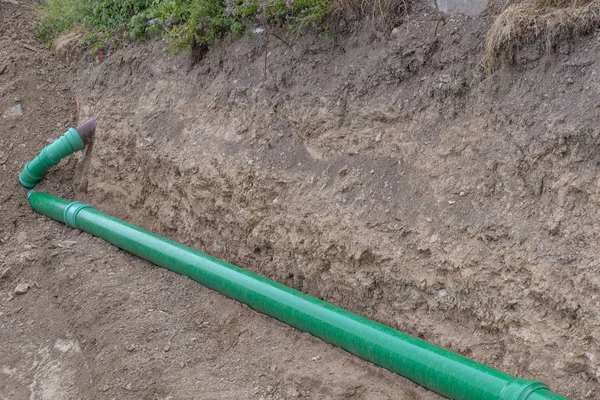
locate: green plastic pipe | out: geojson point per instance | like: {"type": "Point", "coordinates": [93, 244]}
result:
{"type": "Point", "coordinates": [437, 369]}
{"type": "Point", "coordinates": [71, 141]}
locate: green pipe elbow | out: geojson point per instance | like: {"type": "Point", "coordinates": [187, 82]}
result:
{"type": "Point", "coordinates": [50, 156]}
{"type": "Point", "coordinates": [71, 141]}
{"type": "Point", "coordinates": [449, 374]}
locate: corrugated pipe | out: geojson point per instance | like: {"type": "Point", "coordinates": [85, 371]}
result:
{"type": "Point", "coordinates": [437, 369]}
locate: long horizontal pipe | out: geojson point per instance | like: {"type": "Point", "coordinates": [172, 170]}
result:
{"type": "Point", "coordinates": [437, 369]}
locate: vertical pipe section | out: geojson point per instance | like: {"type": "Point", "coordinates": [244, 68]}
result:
{"type": "Point", "coordinates": [71, 141]}
{"type": "Point", "coordinates": [440, 370]}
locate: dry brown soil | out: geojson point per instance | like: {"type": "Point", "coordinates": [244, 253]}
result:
{"type": "Point", "coordinates": [383, 173]}
{"type": "Point", "coordinates": [97, 323]}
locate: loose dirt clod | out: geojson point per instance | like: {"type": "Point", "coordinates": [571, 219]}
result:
{"type": "Point", "coordinates": [21, 288]}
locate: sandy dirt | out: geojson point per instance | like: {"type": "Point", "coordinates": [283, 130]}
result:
{"type": "Point", "coordinates": [385, 173]}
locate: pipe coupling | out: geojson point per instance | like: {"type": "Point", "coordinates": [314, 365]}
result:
{"type": "Point", "coordinates": [70, 215]}
{"type": "Point", "coordinates": [520, 389]}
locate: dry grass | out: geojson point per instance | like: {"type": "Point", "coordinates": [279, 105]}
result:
{"type": "Point", "coordinates": [548, 20]}
{"type": "Point", "coordinates": [385, 13]}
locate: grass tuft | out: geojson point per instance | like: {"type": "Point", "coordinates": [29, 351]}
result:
{"type": "Point", "coordinates": [60, 16]}
{"type": "Point", "coordinates": [551, 20]}
{"type": "Point", "coordinates": [385, 13]}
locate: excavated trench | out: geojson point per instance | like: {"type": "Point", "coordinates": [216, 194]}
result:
{"type": "Point", "coordinates": [385, 175]}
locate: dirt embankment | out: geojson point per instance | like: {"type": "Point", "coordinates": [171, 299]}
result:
{"type": "Point", "coordinates": [82, 320]}
{"type": "Point", "coordinates": [383, 173]}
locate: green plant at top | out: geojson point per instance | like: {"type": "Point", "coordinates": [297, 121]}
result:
{"type": "Point", "coordinates": [180, 22]}
{"type": "Point", "coordinates": [208, 19]}
{"type": "Point", "coordinates": [297, 15]}
{"type": "Point", "coordinates": [204, 20]}
{"type": "Point", "coordinates": [115, 14]}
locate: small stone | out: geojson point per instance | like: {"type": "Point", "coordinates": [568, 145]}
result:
{"type": "Point", "coordinates": [462, 194]}
{"type": "Point", "coordinates": [273, 368]}
{"type": "Point", "coordinates": [28, 47]}
{"type": "Point", "coordinates": [22, 288]}
{"type": "Point", "coordinates": [451, 202]}
{"type": "Point", "coordinates": [565, 325]}
{"type": "Point", "coordinates": [316, 358]}
{"type": "Point", "coordinates": [167, 348]}
{"type": "Point", "coordinates": [65, 244]}
{"type": "Point", "coordinates": [292, 392]}
{"type": "Point", "coordinates": [378, 137]}
{"type": "Point", "coordinates": [5, 272]}
{"type": "Point", "coordinates": [445, 78]}
{"type": "Point", "coordinates": [170, 22]}
{"type": "Point", "coordinates": [569, 80]}
{"type": "Point", "coordinates": [343, 171]}
{"type": "Point", "coordinates": [15, 111]}
{"type": "Point", "coordinates": [396, 32]}
{"type": "Point", "coordinates": [154, 21]}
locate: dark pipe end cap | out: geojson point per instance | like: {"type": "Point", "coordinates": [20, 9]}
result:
{"type": "Point", "coordinates": [86, 130]}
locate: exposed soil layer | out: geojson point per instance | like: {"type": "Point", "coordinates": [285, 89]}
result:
{"type": "Point", "coordinates": [383, 173]}
{"type": "Point", "coordinates": [97, 323]}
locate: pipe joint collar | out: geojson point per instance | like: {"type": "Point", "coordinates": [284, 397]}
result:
{"type": "Point", "coordinates": [75, 142]}
{"type": "Point", "coordinates": [70, 215]}
{"type": "Point", "coordinates": [67, 144]}
{"type": "Point", "coordinates": [520, 389]}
